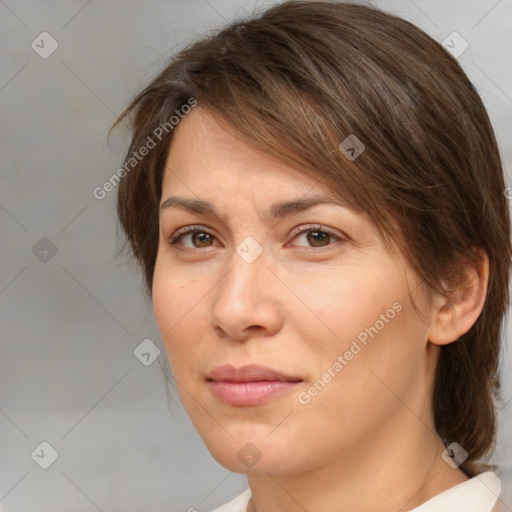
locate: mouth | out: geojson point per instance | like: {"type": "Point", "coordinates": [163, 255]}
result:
{"type": "Point", "coordinates": [249, 385]}
{"type": "Point", "coordinates": [250, 393]}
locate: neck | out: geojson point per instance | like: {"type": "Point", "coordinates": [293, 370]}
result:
{"type": "Point", "coordinates": [398, 473]}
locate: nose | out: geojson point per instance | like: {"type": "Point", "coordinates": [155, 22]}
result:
{"type": "Point", "coordinates": [246, 302]}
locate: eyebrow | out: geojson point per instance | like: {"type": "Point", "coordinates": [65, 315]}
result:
{"type": "Point", "coordinates": [277, 211]}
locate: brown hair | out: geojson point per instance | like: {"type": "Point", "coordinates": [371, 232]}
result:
{"type": "Point", "coordinates": [298, 79]}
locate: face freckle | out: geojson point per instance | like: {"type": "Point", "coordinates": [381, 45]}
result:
{"type": "Point", "coordinates": [338, 317]}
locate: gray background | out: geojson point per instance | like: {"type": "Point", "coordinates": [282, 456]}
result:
{"type": "Point", "coordinates": [70, 321]}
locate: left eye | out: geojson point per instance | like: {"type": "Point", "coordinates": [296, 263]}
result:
{"type": "Point", "coordinates": [317, 236]}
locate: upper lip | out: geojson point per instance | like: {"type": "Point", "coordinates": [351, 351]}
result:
{"type": "Point", "coordinates": [248, 373]}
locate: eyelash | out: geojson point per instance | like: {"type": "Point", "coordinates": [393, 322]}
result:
{"type": "Point", "coordinates": [179, 234]}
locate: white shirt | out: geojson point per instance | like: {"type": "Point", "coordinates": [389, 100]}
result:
{"type": "Point", "coordinates": [478, 494]}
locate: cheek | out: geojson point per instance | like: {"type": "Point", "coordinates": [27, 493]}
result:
{"type": "Point", "coordinates": [348, 301]}
{"type": "Point", "coordinates": [179, 304]}
{"type": "Point", "coordinates": [384, 360]}
{"type": "Point", "coordinates": [173, 303]}
{"type": "Point", "coordinates": [166, 305]}
{"type": "Point", "coordinates": [371, 382]}
{"type": "Point", "coordinates": [175, 294]}
{"type": "Point", "coordinates": [368, 320]}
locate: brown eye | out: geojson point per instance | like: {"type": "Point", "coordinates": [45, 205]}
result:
{"type": "Point", "coordinates": [199, 238]}
{"type": "Point", "coordinates": [318, 238]}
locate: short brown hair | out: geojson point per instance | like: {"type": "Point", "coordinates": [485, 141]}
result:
{"type": "Point", "coordinates": [298, 79]}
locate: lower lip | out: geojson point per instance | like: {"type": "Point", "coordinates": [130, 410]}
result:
{"type": "Point", "coordinates": [250, 393]}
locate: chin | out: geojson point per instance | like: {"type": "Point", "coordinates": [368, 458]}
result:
{"type": "Point", "coordinates": [249, 454]}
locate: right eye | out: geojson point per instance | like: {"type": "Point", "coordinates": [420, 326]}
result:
{"type": "Point", "coordinates": [199, 238]}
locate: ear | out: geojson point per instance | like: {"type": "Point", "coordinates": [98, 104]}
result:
{"type": "Point", "coordinates": [454, 315]}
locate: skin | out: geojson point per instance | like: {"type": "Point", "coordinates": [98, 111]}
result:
{"type": "Point", "coordinates": [367, 441]}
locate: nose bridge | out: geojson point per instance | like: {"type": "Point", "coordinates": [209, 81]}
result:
{"type": "Point", "coordinates": [247, 276]}
{"type": "Point", "coordinates": [244, 297]}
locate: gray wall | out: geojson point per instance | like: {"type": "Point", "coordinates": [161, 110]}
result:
{"type": "Point", "coordinates": [70, 321]}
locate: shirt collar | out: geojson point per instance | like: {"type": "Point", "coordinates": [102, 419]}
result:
{"type": "Point", "coordinates": [478, 494]}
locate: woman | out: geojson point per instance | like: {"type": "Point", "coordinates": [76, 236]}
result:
{"type": "Point", "coordinates": [316, 199]}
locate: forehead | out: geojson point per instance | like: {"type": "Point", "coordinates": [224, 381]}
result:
{"type": "Point", "coordinates": [206, 153]}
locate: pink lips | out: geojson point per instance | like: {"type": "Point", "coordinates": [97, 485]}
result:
{"type": "Point", "coordinates": [249, 385]}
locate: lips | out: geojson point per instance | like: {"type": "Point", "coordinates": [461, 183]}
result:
{"type": "Point", "coordinates": [249, 385]}
{"type": "Point", "coordinates": [249, 373]}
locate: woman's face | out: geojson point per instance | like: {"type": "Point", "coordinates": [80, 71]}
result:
{"type": "Point", "coordinates": [310, 293]}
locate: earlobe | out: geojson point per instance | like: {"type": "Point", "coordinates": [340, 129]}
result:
{"type": "Point", "coordinates": [455, 314]}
